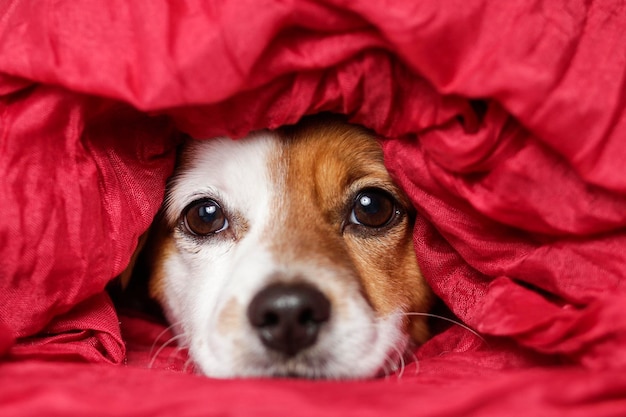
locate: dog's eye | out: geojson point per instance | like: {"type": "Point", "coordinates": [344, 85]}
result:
{"type": "Point", "coordinates": [204, 217]}
{"type": "Point", "coordinates": [373, 208]}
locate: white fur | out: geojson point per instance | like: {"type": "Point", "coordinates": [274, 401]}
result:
{"type": "Point", "coordinates": [203, 276]}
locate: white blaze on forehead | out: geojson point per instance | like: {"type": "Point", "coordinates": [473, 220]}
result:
{"type": "Point", "coordinates": [234, 172]}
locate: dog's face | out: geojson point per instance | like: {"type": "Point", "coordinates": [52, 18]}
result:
{"type": "Point", "coordinates": [289, 254]}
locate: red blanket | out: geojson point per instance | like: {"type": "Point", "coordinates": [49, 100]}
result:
{"type": "Point", "coordinates": [505, 123]}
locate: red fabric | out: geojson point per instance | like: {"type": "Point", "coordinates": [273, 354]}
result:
{"type": "Point", "coordinates": [99, 390]}
{"type": "Point", "coordinates": [521, 196]}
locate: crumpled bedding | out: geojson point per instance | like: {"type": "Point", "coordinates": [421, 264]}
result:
{"type": "Point", "coordinates": [503, 121]}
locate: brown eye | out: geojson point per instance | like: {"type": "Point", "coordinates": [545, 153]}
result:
{"type": "Point", "coordinates": [373, 208]}
{"type": "Point", "coordinates": [204, 217]}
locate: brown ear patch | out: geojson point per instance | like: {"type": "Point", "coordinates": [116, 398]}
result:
{"type": "Point", "coordinates": [161, 248]}
{"type": "Point", "coordinates": [141, 280]}
{"type": "Point", "coordinates": [147, 272]}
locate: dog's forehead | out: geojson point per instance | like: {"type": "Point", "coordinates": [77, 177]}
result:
{"type": "Point", "coordinates": [327, 159]}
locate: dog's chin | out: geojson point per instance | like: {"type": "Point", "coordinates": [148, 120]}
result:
{"type": "Point", "coordinates": [303, 367]}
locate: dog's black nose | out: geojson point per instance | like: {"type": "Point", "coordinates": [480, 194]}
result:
{"type": "Point", "coordinates": [288, 316]}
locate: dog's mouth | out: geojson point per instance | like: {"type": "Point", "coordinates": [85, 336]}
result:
{"type": "Point", "coordinates": [340, 349]}
{"type": "Point", "coordinates": [297, 329]}
{"type": "Point", "coordinates": [317, 364]}
{"type": "Point", "coordinates": [305, 365]}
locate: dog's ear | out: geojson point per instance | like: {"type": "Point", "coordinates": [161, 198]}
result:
{"type": "Point", "coordinates": [130, 290]}
{"type": "Point", "coordinates": [126, 275]}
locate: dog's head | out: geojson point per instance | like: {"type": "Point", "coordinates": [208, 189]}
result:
{"type": "Point", "coordinates": [289, 253]}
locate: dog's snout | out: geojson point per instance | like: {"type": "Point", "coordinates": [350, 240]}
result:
{"type": "Point", "coordinates": [288, 317]}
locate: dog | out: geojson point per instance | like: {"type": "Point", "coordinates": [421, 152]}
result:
{"type": "Point", "coordinates": [289, 253]}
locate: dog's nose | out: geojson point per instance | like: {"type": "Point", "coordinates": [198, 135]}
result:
{"type": "Point", "coordinates": [288, 316]}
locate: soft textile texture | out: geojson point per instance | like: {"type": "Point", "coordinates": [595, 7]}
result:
{"type": "Point", "coordinates": [505, 123]}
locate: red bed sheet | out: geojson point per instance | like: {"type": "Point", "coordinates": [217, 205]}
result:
{"type": "Point", "coordinates": [504, 122]}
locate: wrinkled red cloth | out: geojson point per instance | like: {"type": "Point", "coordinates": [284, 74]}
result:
{"type": "Point", "coordinates": [504, 123]}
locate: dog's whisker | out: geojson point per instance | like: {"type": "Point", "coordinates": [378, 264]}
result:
{"type": "Point", "coordinates": [156, 339]}
{"type": "Point", "coordinates": [402, 363]}
{"type": "Point", "coordinates": [163, 346]}
{"type": "Point", "coordinates": [398, 363]}
{"type": "Point", "coordinates": [458, 323]}
{"type": "Point", "coordinates": [175, 352]}
{"type": "Point", "coordinates": [411, 358]}
{"type": "Point", "coordinates": [385, 368]}
{"type": "Point", "coordinates": [390, 366]}
{"type": "Point", "coordinates": [188, 363]}
{"type": "Point", "coordinates": [417, 364]}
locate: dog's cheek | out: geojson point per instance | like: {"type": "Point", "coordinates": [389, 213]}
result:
{"type": "Point", "coordinates": [418, 295]}
{"type": "Point", "coordinates": [389, 273]}
{"type": "Point", "coordinates": [180, 292]}
{"type": "Point", "coordinates": [377, 280]}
